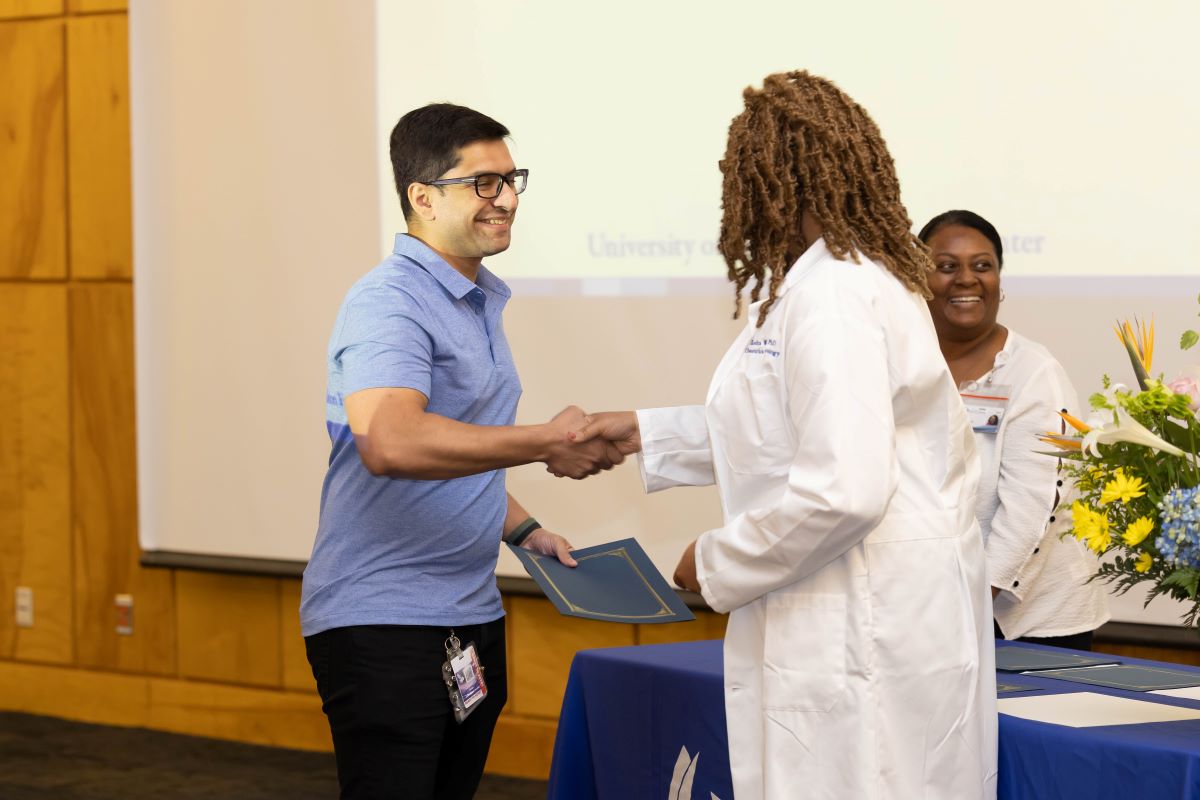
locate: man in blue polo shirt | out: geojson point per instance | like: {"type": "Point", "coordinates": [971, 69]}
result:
{"type": "Point", "coordinates": [420, 405]}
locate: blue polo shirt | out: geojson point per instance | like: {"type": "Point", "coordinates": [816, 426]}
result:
{"type": "Point", "coordinates": [392, 551]}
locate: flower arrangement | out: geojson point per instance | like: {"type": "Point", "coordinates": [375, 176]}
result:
{"type": "Point", "coordinates": [1136, 466]}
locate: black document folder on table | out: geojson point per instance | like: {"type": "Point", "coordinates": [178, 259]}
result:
{"type": "Point", "coordinates": [614, 582]}
{"type": "Point", "coordinates": [1024, 659]}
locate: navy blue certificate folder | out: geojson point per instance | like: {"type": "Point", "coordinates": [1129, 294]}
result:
{"type": "Point", "coordinates": [1133, 677]}
{"type": "Point", "coordinates": [1026, 659]}
{"type": "Point", "coordinates": [614, 582]}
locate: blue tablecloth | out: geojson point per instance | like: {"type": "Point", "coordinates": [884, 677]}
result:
{"type": "Point", "coordinates": [635, 718]}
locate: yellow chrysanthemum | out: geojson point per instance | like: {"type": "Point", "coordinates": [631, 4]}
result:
{"type": "Point", "coordinates": [1101, 539]}
{"type": "Point", "coordinates": [1122, 488]}
{"type": "Point", "coordinates": [1081, 515]}
{"type": "Point", "coordinates": [1091, 527]}
{"type": "Point", "coordinates": [1137, 531]}
{"type": "Point", "coordinates": [1144, 562]}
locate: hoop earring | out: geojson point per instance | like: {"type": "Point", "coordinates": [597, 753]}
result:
{"type": "Point", "coordinates": [1002, 295]}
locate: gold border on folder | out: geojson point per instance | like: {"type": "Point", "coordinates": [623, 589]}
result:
{"type": "Point", "coordinates": [1114, 684]}
{"type": "Point", "coordinates": [664, 610]}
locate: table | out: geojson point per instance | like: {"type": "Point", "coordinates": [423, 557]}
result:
{"type": "Point", "coordinates": [649, 722]}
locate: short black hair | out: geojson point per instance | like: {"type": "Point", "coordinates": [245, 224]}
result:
{"type": "Point", "coordinates": [968, 219]}
{"type": "Point", "coordinates": [426, 141]}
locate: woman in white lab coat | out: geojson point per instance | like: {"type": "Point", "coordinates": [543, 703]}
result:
{"type": "Point", "coordinates": [859, 651]}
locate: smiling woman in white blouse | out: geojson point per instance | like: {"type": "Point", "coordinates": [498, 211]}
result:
{"type": "Point", "coordinates": [1012, 388]}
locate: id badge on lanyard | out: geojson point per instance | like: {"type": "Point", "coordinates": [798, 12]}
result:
{"type": "Point", "coordinates": [986, 405]}
{"type": "Point", "coordinates": [462, 673]}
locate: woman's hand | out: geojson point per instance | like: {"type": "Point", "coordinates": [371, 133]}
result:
{"type": "Point", "coordinates": [685, 572]}
{"type": "Point", "coordinates": [618, 428]}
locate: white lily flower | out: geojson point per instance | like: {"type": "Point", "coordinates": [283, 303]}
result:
{"type": "Point", "coordinates": [1099, 416]}
{"type": "Point", "coordinates": [1126, 429]}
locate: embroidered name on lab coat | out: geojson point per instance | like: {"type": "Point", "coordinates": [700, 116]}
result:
{"type": "Point", "coordinates": [763, 347]}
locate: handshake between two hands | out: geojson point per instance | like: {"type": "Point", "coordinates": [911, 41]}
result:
{"type": "Point", "coordinates": [588, 443]}
{"type": "Point", "coordinates": [585, 444]}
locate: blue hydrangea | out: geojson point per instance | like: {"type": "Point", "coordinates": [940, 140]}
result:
{"type": "Point", "coordinates": [1179, 542]}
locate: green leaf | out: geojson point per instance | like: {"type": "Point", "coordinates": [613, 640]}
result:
{"type": "Point", "coordinates": [1186, 579]}
{"type": "Point", "coordinates": [1098, 400]}
{"type": "Point", "coordinates": [1176, 434]}
{"type": "Point", "coordinates": [1188, 339]}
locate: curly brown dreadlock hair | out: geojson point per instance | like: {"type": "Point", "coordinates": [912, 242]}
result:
{"type": "Point", "coordinates": [800, 145]}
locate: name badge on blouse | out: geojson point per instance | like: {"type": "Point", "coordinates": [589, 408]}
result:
{"type": "Point", "coordinates": [986, 405]}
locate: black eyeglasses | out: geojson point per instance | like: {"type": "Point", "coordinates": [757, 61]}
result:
{"type": "Point", "coordinates": [488, 185]}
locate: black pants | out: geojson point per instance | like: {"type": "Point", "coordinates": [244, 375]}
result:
{"type": "Point", "coordinates": [394, 734]}
{"type": "Point", "coordinates": [1075, 641]}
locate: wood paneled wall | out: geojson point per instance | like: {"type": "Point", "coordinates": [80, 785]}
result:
{"type": "Point", "coordinates": [33, 198]}
{"type": "Point", "coordinates": [35, 542]}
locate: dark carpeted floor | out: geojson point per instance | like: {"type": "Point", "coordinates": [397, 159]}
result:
{"type": "Point", "coordinates": [43, 758]}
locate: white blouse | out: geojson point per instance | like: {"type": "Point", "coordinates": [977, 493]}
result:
{"type": "Point", "coordinates": [1043, 577]}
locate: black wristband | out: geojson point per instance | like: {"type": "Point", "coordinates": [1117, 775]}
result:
{"type": "Point", "coordinates": [522, 531]}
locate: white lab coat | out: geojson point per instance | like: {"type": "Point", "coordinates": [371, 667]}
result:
{"type": "Point", "coordinates": [859, 657]}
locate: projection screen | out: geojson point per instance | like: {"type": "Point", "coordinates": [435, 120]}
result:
{"type": "Point", "coordinates": [262, 191]}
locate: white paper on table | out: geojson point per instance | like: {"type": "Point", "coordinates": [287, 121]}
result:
{"type": "Point", "coordinates": [1187, 693]}
{"type": "Point", "coordinates": [1089, 709]}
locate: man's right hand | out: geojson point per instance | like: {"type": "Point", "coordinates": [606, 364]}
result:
{"type": "Point", "coordinates": [578, 459]}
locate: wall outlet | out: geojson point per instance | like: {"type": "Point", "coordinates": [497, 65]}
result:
{"type": "Point", "coordinates": [24, 607]}
{"type": "Point", "coordinates": [124, 604]}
